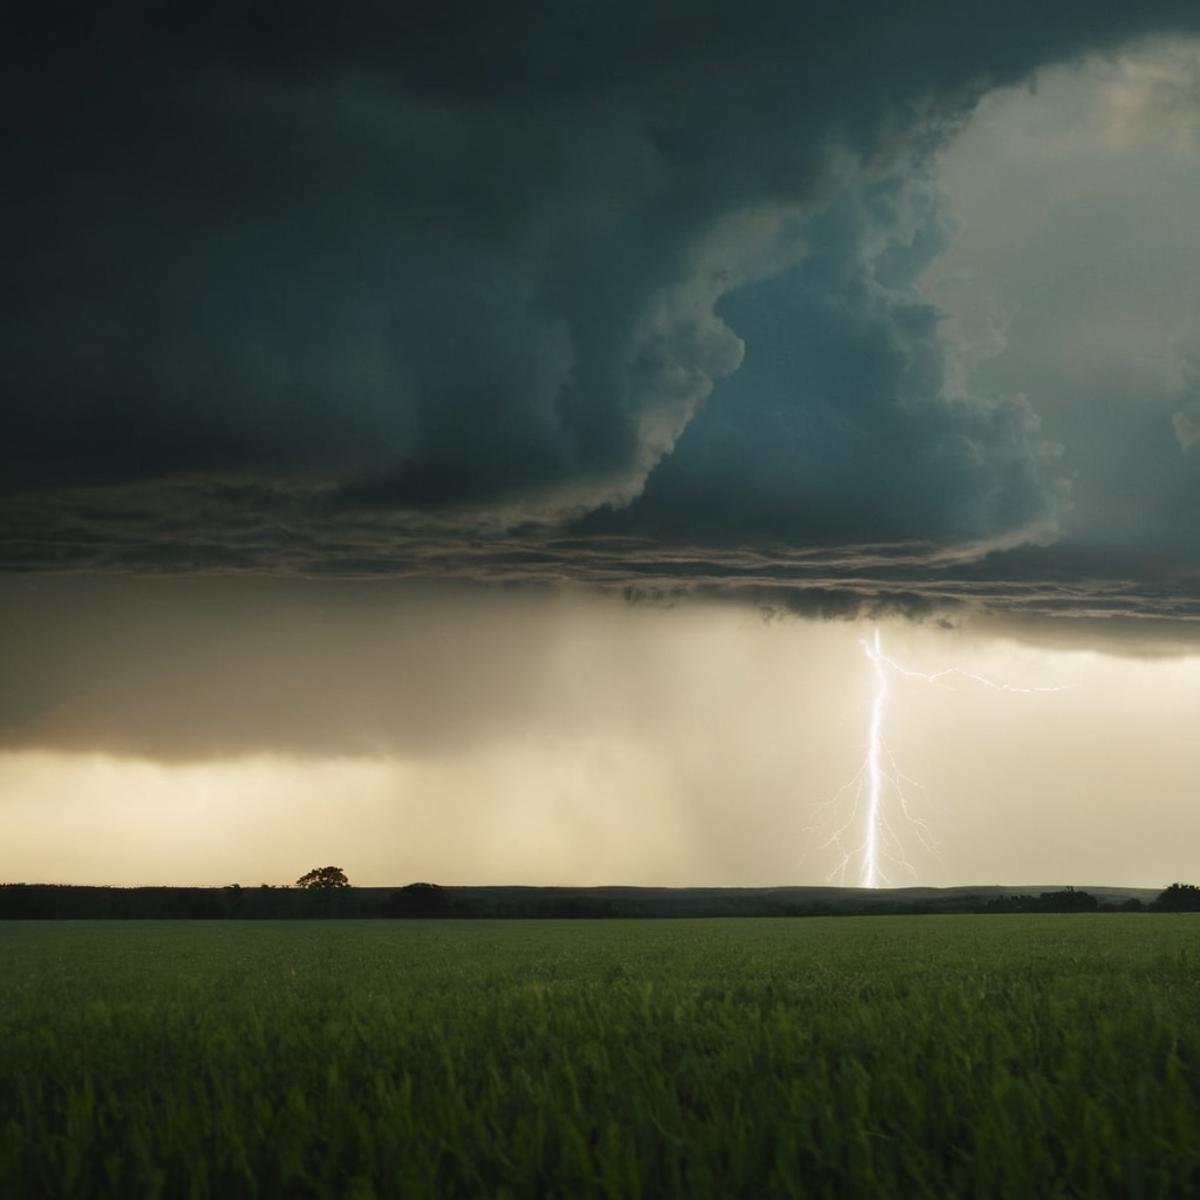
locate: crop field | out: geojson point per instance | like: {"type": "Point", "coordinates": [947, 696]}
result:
{"type": "Point", "coordinates": [1005, 1056]}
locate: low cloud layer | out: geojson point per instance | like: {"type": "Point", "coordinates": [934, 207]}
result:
{"type": "Point", "coordinates": [250, 531]}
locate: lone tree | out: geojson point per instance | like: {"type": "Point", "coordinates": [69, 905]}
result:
{"type": "Point", "coordinates": [323, 879]}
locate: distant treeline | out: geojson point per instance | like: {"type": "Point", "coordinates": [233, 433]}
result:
{"type": "Point", "coordinates": [268, 902]}
{"type": "Point", "coordinates": [60, 902]}
{"type": "Point", "coordinates": [1068, 900]}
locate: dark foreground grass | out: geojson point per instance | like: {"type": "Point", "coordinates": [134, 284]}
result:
{"type": "Point", "coordinates": [886, 1057]}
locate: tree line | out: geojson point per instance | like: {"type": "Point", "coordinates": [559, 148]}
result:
{"type": "Point", "coordinates": [326, 892]}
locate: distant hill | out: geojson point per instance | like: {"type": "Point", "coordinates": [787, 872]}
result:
{"type": "Point", "coordinates": [51, 901]}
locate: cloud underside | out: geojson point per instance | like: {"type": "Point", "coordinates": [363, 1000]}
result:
{"type": "Point", "coordinates": [252, 531]}
{"type": "Point", "coordinates": [620, 297]}
{"type": "Point", "coordinates": [210, 668]}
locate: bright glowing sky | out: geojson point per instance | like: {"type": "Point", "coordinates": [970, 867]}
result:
{"type": "Point", "coordinates": [578, 740]}
{"type": "Point", "coordinates": [952, 391]}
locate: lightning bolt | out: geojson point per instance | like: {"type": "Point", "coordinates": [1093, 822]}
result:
{"type": "Point", "coordinates": [879, 776]}
{"type": "Point", "coordinates": [875, 773]}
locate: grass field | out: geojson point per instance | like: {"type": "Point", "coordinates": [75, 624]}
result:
{"type": "Point", "coordinates": [868, 1057]}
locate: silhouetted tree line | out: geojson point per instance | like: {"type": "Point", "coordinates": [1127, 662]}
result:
{"type": "Point", "coordinates": [1068, 900]}
{"type": "Point", "coordinates": [326, 895]}
{"type": "Point", "coordinates": [1179, 897]}
{"type": "Point", "coordinates": [235, 902]}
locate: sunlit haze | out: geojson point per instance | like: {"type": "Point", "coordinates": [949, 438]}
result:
{"type": "Point", "coordinates": [574, 739]}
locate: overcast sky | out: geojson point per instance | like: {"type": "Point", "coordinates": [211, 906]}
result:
{"type": "Point", "coordinates": [472, 444]}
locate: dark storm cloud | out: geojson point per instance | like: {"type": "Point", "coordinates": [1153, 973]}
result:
{"type": "Point", "coordinates": [838, 426]}
{"type": "Point", "coordinates": [1185, 421]}
{"type": "Point", "coordinates": [404, 291]}
{"type": "Point", "coordinates": [223, 667]}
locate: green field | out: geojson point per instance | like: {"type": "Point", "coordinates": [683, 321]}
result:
{"type": "Point", "coordinates": [867, 1057]}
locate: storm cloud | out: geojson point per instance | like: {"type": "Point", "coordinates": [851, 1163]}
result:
{"type": "Point", "coordinates": [626, 296]}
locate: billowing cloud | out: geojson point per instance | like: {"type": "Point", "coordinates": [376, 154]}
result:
{"type": "Point", "coordinates": [621, 295]}
{"type": "Point", "coordinates": [1076, 248]}
{"type": "Point", "coordinates": [841, 426]}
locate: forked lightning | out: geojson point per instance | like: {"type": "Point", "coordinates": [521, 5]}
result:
{"type": "Point", "coordinates": [880, 848]}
